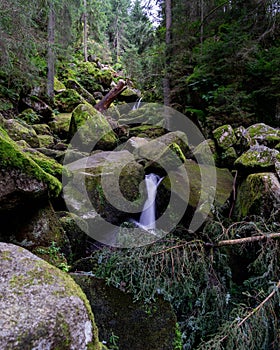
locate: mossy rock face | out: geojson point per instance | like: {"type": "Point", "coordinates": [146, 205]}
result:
{"type": "Point", "coordinates": [228, 157]}
{"type": "Point", "coordinates": [110, 180]}
{"type": "Point", "coordinates": [21, 178]}
{"type": "Point", "coordinates": [259, 194]}
{"type": "Point", "coordinates": [21, 131]}
{"type": "Point", "coordinates": [224, 136]}
{"type": "Point", "coordinates": [147, 131]}
{"type": "Point", "coordinates": [42, 129]}
{"type": "Point", "coordinates": [129, 95]}
{"type": "Point", "coordinates": [75, 229]}
{"type": "Point", "coordinates": [73, 84]}
{"type": "Point", "coordinates": [39, 106]}
{"type": "Point", "coordinates": [202, 154]}
{"type": "Point", "coordinates": [60, 125]}
{"type": "Point", "coordinates": [68, 100]}
{"type": "Point", "coordinates": [36, 226]}
{"type": "Point", "coordinates": [137, 327]}
{"type": "Point", "coordinates": [46, 163]}
{"type": "Point", "coordinates": [257, 158]}
{"type": "Point", "coordinates": [46, 140]}
{"type": "Point", "coordinates": [92, 129]}
{"type": "Point", "coordinates": [93, 78]}
{"type": "Point", "coordinates": [244, 140]}
{"type": "Point", "coordinates": [58, 85]}
{"type": "Point", "coordinates": [264, 134]}
{"type": "Point", "coordinates": [43, 307]}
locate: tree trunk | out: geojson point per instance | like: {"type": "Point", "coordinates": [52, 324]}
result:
{"type": "Point", "coordinates": [111, 96]}
{"type": "Point", "coordinates": [166, 79]}
{"type": "Point", "coordinates": [51, 54]}
{"type": "Point", "coordinates": [85, 31]}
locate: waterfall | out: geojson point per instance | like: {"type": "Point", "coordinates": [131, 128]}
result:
{"type": "Point", "coordinates": [137, 104]}
{"type": "Point", "coordinates": [147, 219]}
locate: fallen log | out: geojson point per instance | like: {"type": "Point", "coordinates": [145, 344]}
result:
{"type": "Point", "coordinates": [104, 104]}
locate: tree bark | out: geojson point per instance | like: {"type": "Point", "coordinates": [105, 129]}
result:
{"type": "Point", "coordinates": [166, 79]}
{"type": "Point", "coordinates": [51, 54]}
{"type": "Point", "coordinates": [85, 31]}
{"type": "Point", "coordinates": [111, 96]}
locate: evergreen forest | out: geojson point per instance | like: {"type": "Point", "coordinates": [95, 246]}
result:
{"type": "Point", "coordinates": [214, 62]}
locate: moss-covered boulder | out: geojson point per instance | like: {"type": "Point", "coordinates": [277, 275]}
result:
{"type": "Point", "coordinates": [136, 325]}
{"type": "Point", "coordinates": [58, 85]}
{"type": "Point", "coordinates": [257, 158]}
{"type": "Point", "coordinates": [92, 129]}
{"type": "Point", "coordinates": [60, 125]}
{"type": "Point", "coordinates": [203, 156]}
{"type": "Point", "coordinates": [73, 84]}
{"type": "Point", "coordinates": [129, 95]}
{"type": "Point", "coordinates": [244, 140]}
{"type": "Point", "coordinates": [110, 181]}
{"type": "Point", "coordinates": [264, 134]}
{"type": "Point", "coordinates": [148, 131]}
{"type": "Point", "coordinates": [224, 136]}
{"type": "Point", "coordinates": [228, 157]}
{"type": "Point", "coordinates": [21, 179]}
{"type": "Point", "coordinates": [21, 131]}
{"type": "Point", "coordinates": [75, 228]}
{"type": "Point", "coordinates": [67, 100]}
{"type": "Point", "coordinates": [41, 307]}
{"type": "Point", "coordinates": [258, 194]}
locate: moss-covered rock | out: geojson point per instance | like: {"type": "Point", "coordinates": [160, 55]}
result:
{"type": "Point", "coordinates": [228, 157]}
{"type": "Point", "coordinates": [68, 100]}
{"type": "Point", "coordinates": [257, 158]}
{"type": "Point", "coordinates": [129, 95]}
{"type": "Point", "coordinates": [110, 180]}
{"type": "Point", "coordinates": [202, 154]}
{"type": "Point", "coordinates": [92, 129]}
{"type": "Point", "coordinates": [73, 84]}
{"type": "Point", "coordinates": [21, 131]}
{"type": "Point", "coordinates": [258, 194]}
{"type": "Point", "coordinates": [21, 178]}
{"type": "Point", "coordinates": [224, 136]}
{"type": "Point", "coordinates": [137, 326]}
{"type": "Point", "coordinates": [264, 134]}
{"type": "Point", "coordinates": [42, 307]}
{"type": "Point", "coordinates": [46, 140]}
{"type": "Point", "coordinates": [60, 125]}
{"type": "Point", "coordinates": [244, 140]}
{"type": "Point", "coordinates": [58, 85]}
{"type": "Point", "coordinates": [148, 131]}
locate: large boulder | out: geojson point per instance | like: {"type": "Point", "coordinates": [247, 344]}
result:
{"type": "Point", "coordinates": [39, 106]}
{"type": "Point", "coordinates": [106, 183]}
{"type": "Point", "coordinates": [21, 179]}
{"type": "Point", "coordinates": [258, 194]}
{"type": "Point", "coordinates": [92, 129]}
{"type": "Point", "coordinates": [60, 125]}
{"type": "Point", "coordinates": [67, 100]}
{"type": "Point", "coordinates": [73, 84]}
{"type": "Point", "coordinates": [264, 134]}
{"type": "Point", "coordinates": [137, 327]}
{"type": "Point", "coordinates": [224, 136]}
{"type": "Point", "coordinates": [21, 131]}
{"type": "Point", "coordinates": [41, 307]}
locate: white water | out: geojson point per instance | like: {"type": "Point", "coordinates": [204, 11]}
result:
{"type": "Point", "coordinates": [147, 219]}
{"type": "Point", "coordinates": [137, 104]}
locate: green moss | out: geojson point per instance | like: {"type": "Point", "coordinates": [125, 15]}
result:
{"type": "Point", "coordinates": [29, 116]}
{"type": "Point", "coordinates": [224, 136]}
{"type": "Point", "coordinates": [67, 100]}
{"type": "Point", "coordinates": [58, 85]}
{"type": "Point", "coordinates": [12, 156]}
{"type": "Point", "coordinates": [256, 157]}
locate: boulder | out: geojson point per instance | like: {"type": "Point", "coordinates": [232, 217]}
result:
{"type": "Point", "coordinates": [264, 134]}
{"type": "Point", "coordinates": [41, 306]}
{"type": "Point", "coordinates": [257, 158]}
{"type": "Point", "coordinates": [58, 85]}
{"type": "Point", "coordinates": [202, 155]}
{"type": "Point", "coordinates": [67, 100]}
{"type": "Point", "coordinates": [73, 84]}
{"type": "Point", "coordinates": [21, 131]}
{"type": "Point", "coordinates": [21, 179]}
{"type": "Point", "coordinates": [129, 95]}
{"type": "Point", "coordinates": [92, 129]}
{"type": "Point", "coordinates": [29, 116]}
{"type": "Point", "coordinates": [258, 194]}
{"type": "Point", "coordinates": [60, 125]}
{"type": "Point", "coordinates": [244, 140]}
{"type": "Point", "coordinates": [106, 183]}
{"type": "Point", "coordinates": [137, 326]}
{"type": "Point", "coordinates": [224, 136]}
{"type": "Point", "coordinates": [148, 131]}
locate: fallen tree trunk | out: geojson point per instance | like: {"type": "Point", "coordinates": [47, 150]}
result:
{"type": "Point", "coordinates": [111, 96]}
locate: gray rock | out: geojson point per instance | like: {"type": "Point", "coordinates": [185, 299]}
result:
{"type": "Point", "coordinates": [41, 307]}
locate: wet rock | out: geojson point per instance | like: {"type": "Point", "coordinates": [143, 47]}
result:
{"type": "Point", "coordinates": [224, 136]}
{"type": "Point", "coordinates": [258, 194]}
{"type": "Point", "coordinates": [41, 307]}
{"type": "Point", "coordinates": [137, 327]}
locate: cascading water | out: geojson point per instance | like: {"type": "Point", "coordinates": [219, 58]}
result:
{"type": "Point", "coordinates": [147, 219]}
{"type": "Point", "coordinates": [137, 104]}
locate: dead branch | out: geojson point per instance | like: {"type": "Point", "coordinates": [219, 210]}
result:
{"type": "Point", "coordinates": [111, 96]}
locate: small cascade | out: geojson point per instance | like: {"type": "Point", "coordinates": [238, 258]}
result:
{"type": "Point", "coordinates": [147, 219]}
{"type": "Point", "coordinates": [137, 104]}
